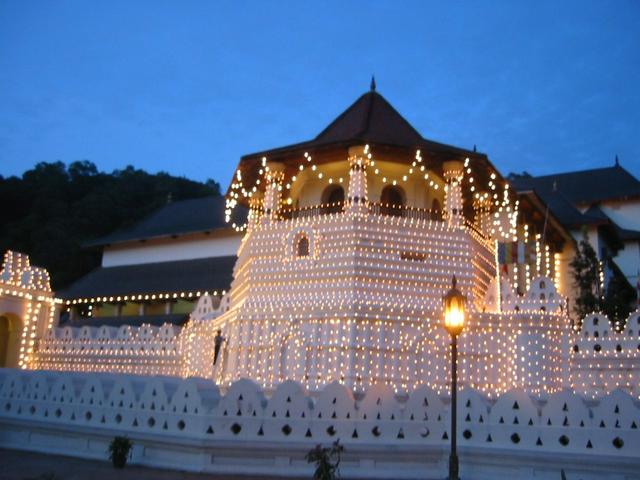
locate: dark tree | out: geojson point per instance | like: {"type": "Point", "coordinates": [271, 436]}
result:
{"type": "Point", "coordinates": [620, 296]}
{"type": "Point", "coordinates": [53, 210]}
{"type": "Point", "coordinates": [585, 269]}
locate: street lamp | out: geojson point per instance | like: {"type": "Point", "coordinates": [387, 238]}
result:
{"type": "Point", "coordinates": [454, 303]}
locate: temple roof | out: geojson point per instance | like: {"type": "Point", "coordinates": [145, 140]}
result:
{"type": "Point", "coordinates": [586, 186]}
{"type": "Point", "coordinates": [197, 215]}
{"type": "Point", "coordinates": [202, 274]}
{"type": "Point", "coordinates": [370, 119]}
{"type": "Point", "coordinates": [566, 213]}
{"type": "Point", "coordinates": [563, 193]}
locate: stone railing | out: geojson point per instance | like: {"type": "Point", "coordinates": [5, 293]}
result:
{"type": "Point", "coordinates": [144, 350]}
{"type": "Point", "coordinates": [405, 211]}
{"type": "Point", "coordinates": [188, 412]}
{"type": "Point", "coordinates": [289, 213]}
{"type": "Point", "coordinates": [375, 208]}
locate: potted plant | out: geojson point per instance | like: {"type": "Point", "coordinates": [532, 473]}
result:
{"type": "Point", "coordinates": [327, 461]}
{"type": "Point", "coordinates": [119, 450]}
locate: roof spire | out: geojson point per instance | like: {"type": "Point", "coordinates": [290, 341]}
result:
{"type": "Point", "coordinates": [617, 161]}
{"type": "Point", "coordinates": [474, 147]}
{"type": "Point", "coordinates": [373, 83]}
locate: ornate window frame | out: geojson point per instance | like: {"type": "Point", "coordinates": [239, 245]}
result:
{"type": "Point", "coordinates": [291, 244]}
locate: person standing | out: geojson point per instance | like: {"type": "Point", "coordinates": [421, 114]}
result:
{"type": "Point", "coordinates": [217, 342]}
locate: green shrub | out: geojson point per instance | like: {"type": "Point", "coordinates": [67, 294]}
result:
{"type": "Point", "coordinates": [119, 450]}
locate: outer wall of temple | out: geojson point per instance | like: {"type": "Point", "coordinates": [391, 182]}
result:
{"type": "Point", "coordinates": [188, 424]}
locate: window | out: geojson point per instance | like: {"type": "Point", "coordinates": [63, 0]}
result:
{"type": "Point", "coordinates": [302, 247]}
{"type": "Point", "coordinates": [392, 200]}
{"type": "Point", "coordinates": [333, 199]}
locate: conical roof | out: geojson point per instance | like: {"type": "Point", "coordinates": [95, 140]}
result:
{"type": "Point", "coordinates": [370, 119]}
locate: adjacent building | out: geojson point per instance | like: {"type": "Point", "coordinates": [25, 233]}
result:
{"type": "Point", "coordinates": [154, 272]}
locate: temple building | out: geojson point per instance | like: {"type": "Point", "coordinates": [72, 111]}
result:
{"type": "Point", "coordinates": [603, 203]}
{"type": "Point", "coordinates": [327, 261]}
{"type": "Point", "coordinates": [306, 307]}
{"type": "Point", "coordinates": [154, 272]}
{"type": "Point", "coordinates": [353, 237]}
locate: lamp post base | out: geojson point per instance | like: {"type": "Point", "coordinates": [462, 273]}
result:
{"type": "Point", "coordinates": [453, 467]}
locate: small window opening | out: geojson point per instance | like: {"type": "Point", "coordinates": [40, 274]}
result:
{"type": "Point", "coordinates": [302, 247]}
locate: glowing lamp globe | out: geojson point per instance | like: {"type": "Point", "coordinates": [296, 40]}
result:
{"type": "Point", "coordinates": [454, 303]}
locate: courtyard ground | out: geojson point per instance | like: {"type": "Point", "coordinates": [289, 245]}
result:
{"type": "Point", "coordinates": [19, 465]}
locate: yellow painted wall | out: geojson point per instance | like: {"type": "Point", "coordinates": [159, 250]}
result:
{"type": "Point", "coordinates": [183, 306]}
{"type": "Point", "coordinates": [10, 331]}
{"type": "Point", "coordinates": [307, 189]}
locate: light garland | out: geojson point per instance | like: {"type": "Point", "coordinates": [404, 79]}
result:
{"type": "Point", "coordinates": [143, 296]}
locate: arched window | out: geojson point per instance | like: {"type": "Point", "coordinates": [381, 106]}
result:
{"type": "Point", "coordinates": [392, 200]}
{"type": "Point", "coordinates": [302, 247]}
{"type": "Point", "coordinates": [436, 210]}
{"type": "Point", "coordinates": [333, 199]}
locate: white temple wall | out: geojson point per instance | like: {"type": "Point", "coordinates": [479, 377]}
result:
{"type": "Point", "coordinates": [418, 257]}
{"type": "Point", "coordinates": [189, 425]}
{"type": "Point", "coordinates": [493, 357]}
{"type": "Point", "coordinates": [624, 213]}
{"type": "Point", "coordinates": [166, 250]}
{"type": "Point", "coordinates": [603, 359]}
{"type": "Point", "coordinates": [369, 283]}
{"type": "Point", "coordinates": [628, 259]}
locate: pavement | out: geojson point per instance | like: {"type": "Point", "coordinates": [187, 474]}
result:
{"type": "Point", "coordinates": [20, 465]}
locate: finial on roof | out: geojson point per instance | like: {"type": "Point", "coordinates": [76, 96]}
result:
{"type": "Point", "coordinates": [617, 161]}
{"type": "Point", "coordinates": [474, 147]}
{"type": "Point", "coordinates": [373, 83]}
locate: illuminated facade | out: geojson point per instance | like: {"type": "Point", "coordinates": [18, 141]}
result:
{"type": "Point", "coordinates": [350, 242]}
{"type": "Point", "coordinates": [28, 310]}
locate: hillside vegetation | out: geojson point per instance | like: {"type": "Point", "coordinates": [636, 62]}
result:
{"type": "Point", "coordinates": [53, 209]}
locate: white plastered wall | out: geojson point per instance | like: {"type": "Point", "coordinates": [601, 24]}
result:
{"type": "Point", "coordinates": [171, 249]}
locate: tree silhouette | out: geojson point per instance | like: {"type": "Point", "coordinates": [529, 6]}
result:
{"type": "Point", "coordinates": [53, 210]}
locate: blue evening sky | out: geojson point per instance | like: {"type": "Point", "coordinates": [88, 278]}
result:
{"type": "Point", "coordinates": [188, 87]}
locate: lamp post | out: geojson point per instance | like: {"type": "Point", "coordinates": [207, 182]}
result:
{"type": "Point", "coordinates": [454, 303]}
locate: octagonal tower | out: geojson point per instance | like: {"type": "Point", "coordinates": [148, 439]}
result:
{"type": "Point", "coordinates": [352, 240]}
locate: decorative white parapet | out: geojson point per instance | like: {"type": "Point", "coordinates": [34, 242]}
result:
{"type": "Point", "coordinates": [146, 350]}
{"type": "Point", "coordinates": [357, 196]}
{"type": "Point", "coordinates": [189, 424]}
{"type": "Point", "coordinates": [604, 359]}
